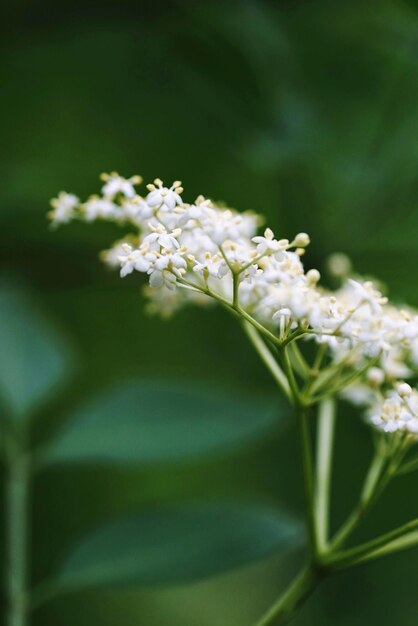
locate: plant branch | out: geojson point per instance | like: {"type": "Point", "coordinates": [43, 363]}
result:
{"type": "Point", "coordinates": [267, 358]}
{"type": "Point", "coordinates": [285, 608]}
{"type": "Point", "coordinates": [288, 370]}
{"type": "Point", "coordinates": [368, 496]}
{"type": "Point", "coordinates": [354, 555]}
{"type": "Point", "coordinates": [325, 438]}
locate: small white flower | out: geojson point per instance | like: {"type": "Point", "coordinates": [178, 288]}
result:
{"type": "Point", "coordinates": [97, 207]}
{"type": "Point", "coordinates": [268, 244]}
{"type": "Point", "coordinates": [116, 184]}
{"type": "Point", "coordinates": [64, 207]}
{"type": "Point", "coordinates": [214, 265]}
{"type": "Point", "coordinates": [160, 237]}
{"type": "Point", "coordinates": [165, 269]}
{"type": "Point", "coordinates": [138, 260]}
{"type": "Point", "coordinates": [164, 198]}
{"type": "Point", "coordinates": [368, 294]}
{"type": "Point", "coordinates": [113, 255]}
{"type": "Point", "coordinates": [137, 210]}
{"type": "Point", "coordinates": [397, 413]}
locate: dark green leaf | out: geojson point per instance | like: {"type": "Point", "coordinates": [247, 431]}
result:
{"type": "Point", "coordinates": [34, 359]}
{"type": "Point", "coordinates": [176, 545]}
{"type": "Point", "coordinates": [152, 421]}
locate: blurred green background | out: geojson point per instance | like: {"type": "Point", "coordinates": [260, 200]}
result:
{"type": "Point", "coordinates": [305, 111]}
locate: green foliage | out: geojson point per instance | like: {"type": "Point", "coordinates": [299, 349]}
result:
{"type": "Point", "coordinates": [152, 421]}
{"type": "Point", "coordinates": [140, 422]}
{"type": "Point", "coordinates": [34, 358]}
{"type": "Point", "coordinates": [176, 545]}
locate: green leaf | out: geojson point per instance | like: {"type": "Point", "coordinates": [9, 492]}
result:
{"type": "Point", "coordinates": [34, 358]}
{"type": "Point", "coordinates": [176, 545]}
{"type": "Point", "coordinates": [153, 421]}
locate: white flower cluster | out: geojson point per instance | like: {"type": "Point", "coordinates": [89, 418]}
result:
{"type": "Point", "coordinates": [201, 251]}
{"type": "Point", "coordinates": [398, 411]}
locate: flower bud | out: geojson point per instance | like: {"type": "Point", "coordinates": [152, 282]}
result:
{"type": "Point", "coordinates": [313, 277]}
{"type": "Point", "coordinates": [339, 265]}
{"type": "Point", "coordinates": [301, 240]}
{"type": "Point", "coordinates": [375, 376]}
{"type": "Point", "coordinates": [404, 390]}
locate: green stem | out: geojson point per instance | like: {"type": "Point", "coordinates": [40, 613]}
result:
{"type": "Point", "coordinates": [298, 360]}
{"type": "Point", "coordinates": [325, 437]}
{"type": "Point", "coordinates": [289, 602]}
{"type": "Point", "coordinates": [288, 370]}
{"type": "Point", "coordinates": [308, 481]}
{"type": "Point", "coordinates": [235, 295]}
{"type": "Point", "coordinates": [345, 382]}
{"type": "Point", "coordinates": [16, 528]}
{"type": "Point", "coordinates": [267, 358]}
{"type": "Point", "coordinates": [296, 334]}
{"type": "Point", "coordinates": [306, 453]}
{"type": "Point", "coordinates": [352, 556]}
{"type": "Point", "coordinates": [370, 491]}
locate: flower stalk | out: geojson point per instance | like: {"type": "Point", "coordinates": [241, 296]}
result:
{"type": "Point", "coordinates": [286, 607]}
{"type": "Point", "coordinates": [325, 438]}
{"type": "Point", "coordinates": [203, 252]}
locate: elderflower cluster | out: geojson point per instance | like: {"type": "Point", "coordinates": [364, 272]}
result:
{"type": "Point", "coordinates": [398, 411]}
{"type": "Point", "coordinates": [201, 252]}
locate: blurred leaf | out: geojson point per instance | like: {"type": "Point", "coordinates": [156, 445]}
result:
{"type": "Point", "coordinates": [155, 421]}
{"type": "Point", "coordinates": [176, 545]}
{"type": "Point", "coordinates": [34, 358]}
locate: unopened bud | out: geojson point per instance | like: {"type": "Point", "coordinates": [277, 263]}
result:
{"type": "Point", "coordinates": [375, 376]}
{"type": "Point", "coordinates": [339, 265]}
{"type": "Point", "coordinates": [301, 240]}
{"type": "Point", "coordinates": [404, 390]}
{"type": "Point", "coordinates": [313, 277]}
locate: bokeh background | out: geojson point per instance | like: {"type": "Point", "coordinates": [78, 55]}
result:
{"type": "Point", "coordinates": [305, 111]}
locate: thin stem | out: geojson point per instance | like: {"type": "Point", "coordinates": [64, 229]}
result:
{"type": "Point", "coordinates": [320, 355]}
{"type": "Point", "coordinates": [288, 370]}
{"type": "Point", "coordinates": [235, 287]}
{"type": "Point", "coordinates": [325, 438]}
{"type": "Point", "coordinates": [267, 358]}
{"type": "Point", "coordinates": [368, 496]}
{"type": "Point", "coordinates": [308, 481]}
{"type": "Point", "coordinates": [411, 466]}
{"type": "Point", "coordinates": [16, 521]}
{"type": "Point", "coordinates": [298, 360]}
{"type": "Point", "coordinates": [306, 453]}
{"type": "Point", "coordinates": [314, 371]}
{"type": "Point", "coordinates": [352, 556]}
{"type": "Point", "coordinates": [328, 374]}
{"type": "Point", "coordinates": [285, 608]}
{"type": "Point", "coordinates": [237, 311]}
{"type": "Point", "coordinates": [248, 318]}
{"type": "Point", "coordinates": [296, 334]}
{"type": "Point", "coordinates": [345, 382]}
{"type": "Point", "coordinates": [408, 540]}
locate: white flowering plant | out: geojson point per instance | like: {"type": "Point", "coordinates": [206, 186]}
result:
{"type": "Point", "coordinates": [319, 345]}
